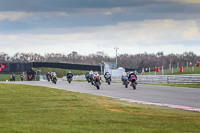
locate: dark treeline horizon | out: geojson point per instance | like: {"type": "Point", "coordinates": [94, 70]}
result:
{"type": "Point", "coordinates": [134, 61]}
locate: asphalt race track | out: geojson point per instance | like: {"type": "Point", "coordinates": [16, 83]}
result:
{"type": "Point", "coordinates": [189, 97]}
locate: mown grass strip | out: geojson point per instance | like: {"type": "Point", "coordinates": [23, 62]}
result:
{"type": "Point", "coordinates": [26, 108]}
{"type": "Point", "coordinates": [186, 70]}
{"type": "Point", "coordinates": [4, 77]}
{"type": "Point", "coordinates": [60, 72]}
{"type": "Point", "coordinates": [177, 85]}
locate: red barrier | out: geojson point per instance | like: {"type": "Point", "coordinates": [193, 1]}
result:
{"type": "Point", "coordinates": [198, 64]}
{"type": "Point", "coordinates": [1, 67]}
{"type": "Point", "coordinates": [180, 69]}
{"type": "Point", "coordinates": [157, 70]}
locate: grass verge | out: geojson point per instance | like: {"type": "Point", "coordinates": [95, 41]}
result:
{"type": "Point", "coordinates": [26, 108]}
{"type": "Point", "coordinates": [177, 85]}
{"type": "Point", "coordinates": [4, 77]}
{"type": "Point", "coordinates": [60, 72]}
{"type": "Point", "coordinates": [186, 70]}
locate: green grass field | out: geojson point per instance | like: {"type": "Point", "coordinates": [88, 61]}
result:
{"type": "Point", "coordinates": [186, 70]}
{"type": "Point", "coordinates": [27, 109]}
{"type": "Point", "coordinates": [4, 77]}
{"type": "Point", "coordinates": [60, 72]}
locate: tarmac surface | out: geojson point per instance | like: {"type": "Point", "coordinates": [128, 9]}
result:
{"type": "Point", "coordinates": [189, 97]}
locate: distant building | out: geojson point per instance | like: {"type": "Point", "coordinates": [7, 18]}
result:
{"type": "Point", "coordinates": [112, 68]}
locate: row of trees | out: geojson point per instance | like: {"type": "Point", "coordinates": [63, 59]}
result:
{"type": "Point", "coordinates": [143, 60]}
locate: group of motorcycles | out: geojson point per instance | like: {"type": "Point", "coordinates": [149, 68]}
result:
{"type": "Point", "coordinates": [12, 78]}
{"type": "Point", "coordinates": [53, 78]}
{"type": "Point", "coordinates": [96, 80]}
{"type": "Point", "coordinates": [93, 79]}
{"type": "Point", "coordinates": [126, 81]}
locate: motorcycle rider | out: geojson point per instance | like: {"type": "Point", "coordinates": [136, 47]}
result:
{"type": "Point", "coordinates": [131, 74]}
{"type": "Point", "coordinates": [96, 75]}
{"type": "Point", "coordinates": [51, 76]}
{"type": "Point", "coordinates": [48, 75]}
{"type": "Point", "coordinates": [124, 75]}
{"type": "Point", "coordinates": [91, 74]}
{"type": "Point", "coordinates": [54, 77]}
{"type": "Point", "coordinates": [13, 77]}
{"type": "Point", "coordinates": [69, 75]}
{"type": "Point", "coordinates": [87, 74]}
{"type": "Point", "coordinates": [21, 77]}
{"type": "Point", "coordinates": [107, 73]}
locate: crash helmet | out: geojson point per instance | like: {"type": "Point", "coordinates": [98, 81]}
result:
{"type": "Point", "coordinates": [95, 72]}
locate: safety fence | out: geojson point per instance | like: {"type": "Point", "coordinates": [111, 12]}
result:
{"type": "Point", "coordinates": [183, 79]}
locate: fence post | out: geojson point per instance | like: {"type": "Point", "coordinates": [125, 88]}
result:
{"type": "Point", "coordinates": [193, 69]}
{"type": "Point", "coordinates": [167, 79]}
{"type": "Point", "coordinates": [162, 70]}
{"type": "Point", "coordinates": [172, 70]}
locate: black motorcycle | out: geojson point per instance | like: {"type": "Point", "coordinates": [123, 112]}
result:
{"type": "Point", "coordinates": [92, 79]}
{"type": "Point", "coordinates": [87, 76]}
{"type": "Point", "coordinates": [69, 79]}
{"type": "Point", "coordinates": [48, 78]}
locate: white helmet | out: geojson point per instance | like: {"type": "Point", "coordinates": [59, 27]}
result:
{"type": "Point", "coordinates": [95, 72]}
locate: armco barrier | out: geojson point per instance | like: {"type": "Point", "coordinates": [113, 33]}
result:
{"type": "Point", "coordinates": [152, 78]}
{"type": "Point", "coordinates": [185, 79]}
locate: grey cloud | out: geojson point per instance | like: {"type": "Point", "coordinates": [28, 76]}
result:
{"type": "Point", "coordinates": [62, 5]}
{"type": "Point", "coordinates": [148, 6]}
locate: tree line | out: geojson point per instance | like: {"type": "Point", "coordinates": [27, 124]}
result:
{"type": "Point", "coordinates": [136, 61]}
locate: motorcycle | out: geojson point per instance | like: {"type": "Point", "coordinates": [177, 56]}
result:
{"type": "Point", "coordinates": [69, 79]}
{"type": "Point", "coordinates": [87, 76]}
{"type": "Point", "coordinates": [133, 82]}
{"type": "Point", "coordinates": [97, 82]}
{"type": "Point", "coordinates": [108, 78]}
{"type": "Point", "coordinates": [12, 78]}
{"type": "Point", "coordinates": [54, 80]}
{"type": "Point", "coordinates": [22, 78]}
{"type": "Point", "coordinates": [91, 79]}
{"type": "Point", "coordinates": [125, 82]}
{"type": "Point", "coordinates": [48, 78]}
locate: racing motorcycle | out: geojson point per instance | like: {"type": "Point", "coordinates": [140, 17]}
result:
{"type": "Point", "coordinates": [108, 78]}
{"type": "Point", "coordinates": [54, 80]}
{"type": "Point", "coordinates": [125, 81]}
{"type": "Point", "coordinates": [69, 79]}
{"type": "Point", "coordinates": [133, 81]}
{"type": "Point", "coordinates": [97, 82]}
{"type": "Point", "coordinates": [92, 79]}
{"type": "Point", "coordinates": [87, 76]}
{"type": "Point", "coordinates": [48, 78]}
{"type": "Point", "coordinates": [22, 78]}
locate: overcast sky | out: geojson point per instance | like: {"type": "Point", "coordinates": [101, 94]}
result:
{"type": "Point", "coordinates": [88, 26]}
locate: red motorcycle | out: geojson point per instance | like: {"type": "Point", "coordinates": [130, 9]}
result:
{"type": "Point", "coordinates": [133, 81]}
